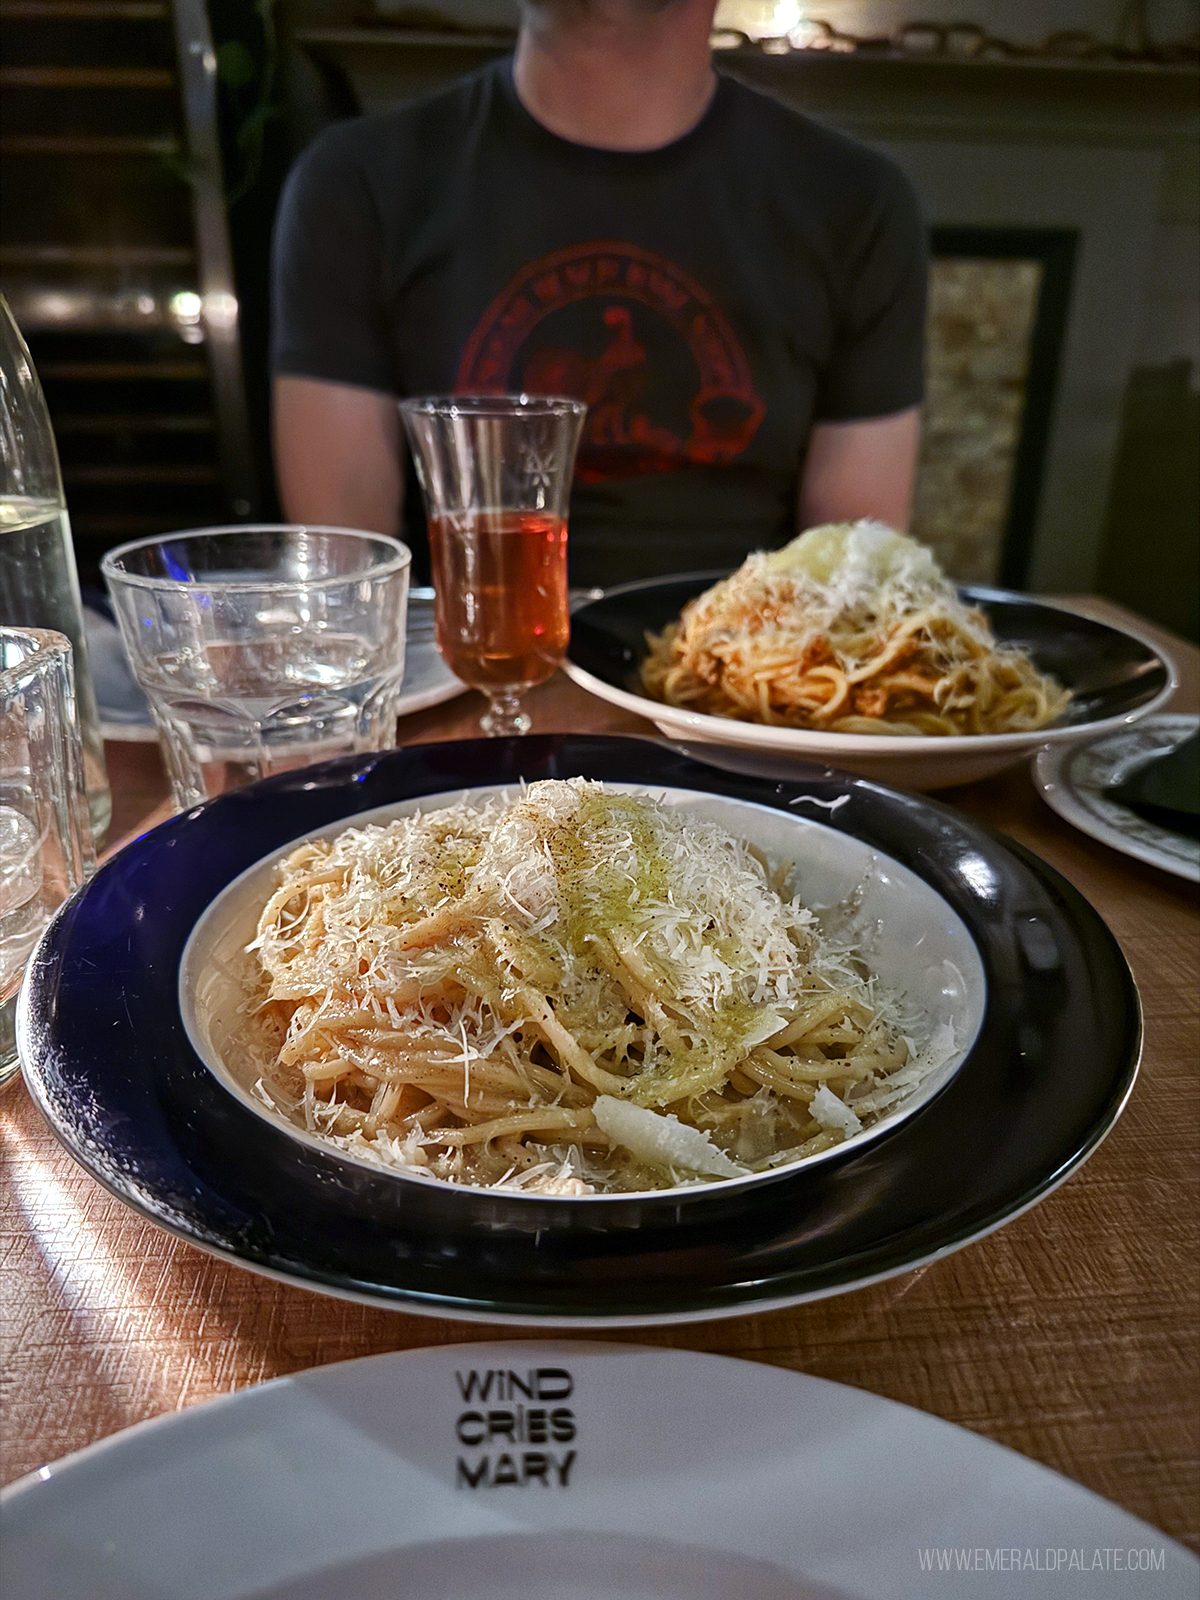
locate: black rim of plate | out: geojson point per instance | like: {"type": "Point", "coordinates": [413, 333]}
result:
{"type": "Point", "coordinates": [108, 1060]}
{"type": "Point", "coordinates": [1110, 673]}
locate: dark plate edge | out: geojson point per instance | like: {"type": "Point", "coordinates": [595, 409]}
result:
{"type": "Point", "coordinates": [733, 1299]}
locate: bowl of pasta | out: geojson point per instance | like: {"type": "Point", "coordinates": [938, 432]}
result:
{"type": "Point", "coordinates": [578, 990]}
{"type": "Point", "coordinates": [576, 1031]}
{"type": "Point", "coordinates": [850, 646]}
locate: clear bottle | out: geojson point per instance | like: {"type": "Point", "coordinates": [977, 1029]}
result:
{"type": "Point", "coordinates": [39, 586]}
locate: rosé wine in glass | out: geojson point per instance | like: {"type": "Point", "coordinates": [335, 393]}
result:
{"type": "Point", "coordinates": [495, 472]}
{"type": "Point", "coordinates": [501, 582]}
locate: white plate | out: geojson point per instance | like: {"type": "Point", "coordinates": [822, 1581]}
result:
{"type": "Point", "coordinates": [1073, 781]}
{"type": "Point", "coordinates": [1115, 675]}
{"type": "Point", "coordinates": [428, 681]}
{"type": "Point", "coordinates": [125, 715]}
{"type": "Point", "coordinates": [662, 1475]}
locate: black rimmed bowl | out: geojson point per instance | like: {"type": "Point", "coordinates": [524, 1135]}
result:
{"type": "Point", "coordinates": [108, 1057]}
{"type": "Point", "coordinates": [1114, 678]}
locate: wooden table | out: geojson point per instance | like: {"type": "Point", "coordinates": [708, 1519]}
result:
{"type": "Point", "coordinates": [1071, 1335]}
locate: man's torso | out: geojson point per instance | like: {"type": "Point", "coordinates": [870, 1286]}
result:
{"type": "Point", "coordinates": [696, 298]}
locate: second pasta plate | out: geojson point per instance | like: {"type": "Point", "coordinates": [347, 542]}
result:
{"type": "Point", "coordinates": [1114, 678]}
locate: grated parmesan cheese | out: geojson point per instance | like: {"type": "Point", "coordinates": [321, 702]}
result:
{"type": "Point", "coordinates": [572, 960]}
{"type": "Point", "coordinates": [850, 581]}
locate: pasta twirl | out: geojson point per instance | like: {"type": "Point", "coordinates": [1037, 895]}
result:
{"type": "Point", "coordinates": [851, 628]}
{"type": "Point", "coordinates": [579, 991]}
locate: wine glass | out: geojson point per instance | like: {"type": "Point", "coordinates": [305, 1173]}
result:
{"type": "Point", "coordinates": [495, 472]}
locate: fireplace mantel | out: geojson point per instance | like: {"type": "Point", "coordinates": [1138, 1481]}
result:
{"type": "Point", "coordinates": [1077, 145]}
{"type": "Point", "coordinates": [885, 95]}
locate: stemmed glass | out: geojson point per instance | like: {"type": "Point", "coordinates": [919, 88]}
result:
{"type": "Point", "coordinates": [495, 472]}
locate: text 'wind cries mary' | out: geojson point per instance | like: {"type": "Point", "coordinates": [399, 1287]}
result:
{"type": "Point", "coordinates": [580, 991]}
{"type": "Point", "coordinates": [519, 1424]}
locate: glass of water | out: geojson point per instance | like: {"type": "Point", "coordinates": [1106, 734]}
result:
{"type": "Point", "coordinates": [262, 648]}
{"type": "Point", "coordinates": [45, 833]}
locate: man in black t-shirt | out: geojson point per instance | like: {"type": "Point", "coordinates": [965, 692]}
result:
{"type": "Point", "coordinates": [737, 292]}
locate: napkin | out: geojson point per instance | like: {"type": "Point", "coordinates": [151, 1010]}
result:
{"type": "Point", "coordinates": [1166, 791]}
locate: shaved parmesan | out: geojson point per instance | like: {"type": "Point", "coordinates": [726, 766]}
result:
{"type": "Point", "coordinates": [849, 582]}
{"type": "Point", "coordinates": [854, 560]}
{"type": "Point", "coordinates": [662, 1141]}
{"type": "Point", "coordinates": [833, 1113]}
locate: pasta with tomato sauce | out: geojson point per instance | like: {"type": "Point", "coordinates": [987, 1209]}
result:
{"type": "Point", "coordinates": [850, 628]}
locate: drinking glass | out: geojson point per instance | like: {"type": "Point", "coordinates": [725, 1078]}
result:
{"type": "Point", "coordinates": [495, 472]}
{"type": "Point", "coordinates": [262, 647]}
{"type": "Point", "coordinates": [45, 833]}
{"type": "Point", "coordinates": [39, 586]}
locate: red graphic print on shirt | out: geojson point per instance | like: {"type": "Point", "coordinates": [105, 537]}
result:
{"type": "Point", "coordinates": [666, 381]}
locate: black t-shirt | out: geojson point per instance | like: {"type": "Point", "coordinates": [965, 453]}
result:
{"type": "Point", "coordinates": [710, 300]}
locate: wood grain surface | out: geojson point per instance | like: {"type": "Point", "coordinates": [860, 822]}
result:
{"type": "Point", "coordinates": [1071, 1335]}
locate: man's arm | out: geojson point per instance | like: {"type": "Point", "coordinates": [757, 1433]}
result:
{"type": "Point", "coordinates": [337, 454]}
{"type": "Point", "coordinates": [860, 469]}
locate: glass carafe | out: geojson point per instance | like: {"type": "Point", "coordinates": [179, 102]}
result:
{"type": "Point", "coordinates": [39, 586]}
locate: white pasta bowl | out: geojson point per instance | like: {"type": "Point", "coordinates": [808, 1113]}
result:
{"type": "Point", "coordinates": [1115, 677]}
{"type": "Point", "coordinates": [911, 939]}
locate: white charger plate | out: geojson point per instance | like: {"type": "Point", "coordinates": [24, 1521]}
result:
{"type": "Point", "coordinates": [1073, 781]}
{"type": "Point", "coordinates": [663, 1475]}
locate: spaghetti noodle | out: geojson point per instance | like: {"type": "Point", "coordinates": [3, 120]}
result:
{"type": "Point", "coordinates": [850, 628]}
{"type": "Point", "coordinates": [580, 991]}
